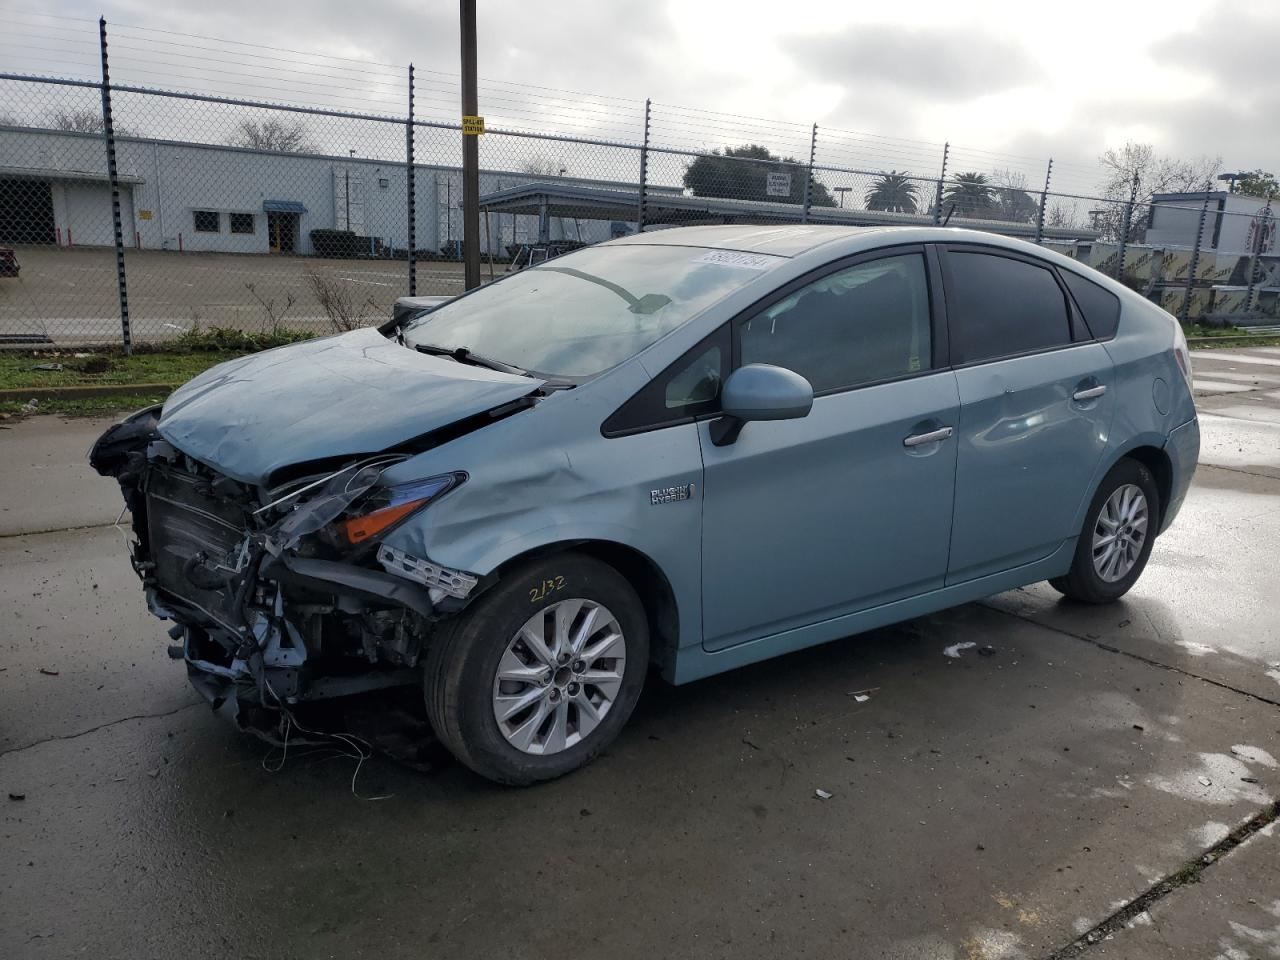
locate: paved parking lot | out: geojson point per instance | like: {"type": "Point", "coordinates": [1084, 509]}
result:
{"type": "Point", "coordinates": [1069, 785]}
{"type": "Point", "coordinates": [70, 295]}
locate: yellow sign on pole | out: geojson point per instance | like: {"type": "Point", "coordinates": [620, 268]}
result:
{"type": "Point", "coordinates": [472, 126]}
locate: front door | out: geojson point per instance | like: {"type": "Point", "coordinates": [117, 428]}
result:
{"type": "Point", "coordinates": [850, 507]}
{"type": "Point", "coordinates": [282, 229]}
{"type": "Point", "coordinates": [1035, 411]}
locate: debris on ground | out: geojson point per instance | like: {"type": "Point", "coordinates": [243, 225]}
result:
{"type": "Point", "coordinates": [823, 794]}
{"type": "Point", "coordinates": [47, 366]}
{"type": "Point", "coordinates": [17, 796]}
{"type": "Point", "coordinates": [1249, 779]}
{"type": "Point", "coordinates": [48, 673]}
{"type": "Point", "coordinates": [987, 651]}
{"type": "Point", "coordinates": [862, 696]}
{"type": "Point", "coordinates": [953, 651]}
{"type": "Point", "coordinates": [31, 406]}
{"type": "Point", "coordinates": [1205, 781]}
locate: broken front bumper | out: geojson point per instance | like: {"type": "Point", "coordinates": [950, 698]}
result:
{"type": "Point", "coordinates": [264, 617]}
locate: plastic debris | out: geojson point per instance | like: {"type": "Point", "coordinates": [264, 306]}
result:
{"type": "Point", "coordinates": [17, 796]}
{"type": "Point", "coordinates": [1249, 779]}
{"type": "Point", "coordinates": [1205, 781]}
{"type": "Point", "coordinates": [953, 651]}
{"type": "Point", "coordinates": [48, 673]}
{"type": "Point", "coordinates": [862, 696]}
{"type": "Point", "coordinates": [47, 366]}
{"type": "Point", "coordinates": [823, 794]}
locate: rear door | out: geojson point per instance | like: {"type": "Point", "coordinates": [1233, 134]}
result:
{"type": "Point", "coordinates": [1036, 404]}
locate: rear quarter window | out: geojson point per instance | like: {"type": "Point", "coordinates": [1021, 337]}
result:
{"type": "Point", "coordinates": [1099, 307]}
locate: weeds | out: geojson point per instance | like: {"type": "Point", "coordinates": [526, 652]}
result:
{"type": "Point", "coordinates": [336, 301]}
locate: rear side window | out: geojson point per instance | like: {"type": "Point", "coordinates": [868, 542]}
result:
{"type": "Point", "coordinates": [1001, 307]}
{"type": "Point", "coordinates": [1100, 308]}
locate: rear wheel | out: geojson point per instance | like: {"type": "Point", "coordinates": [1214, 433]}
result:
{"type": "Point", "coordinates": [540, 675]}
{"type": "Point", "coordinates": [1119, 531]}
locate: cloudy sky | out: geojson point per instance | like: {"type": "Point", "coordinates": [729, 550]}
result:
{"type": "Point", "coordinates": [1016, 79]}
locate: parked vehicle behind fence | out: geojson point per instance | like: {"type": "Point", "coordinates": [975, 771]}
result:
{"type": "Point", "coordinates": [693, 449]}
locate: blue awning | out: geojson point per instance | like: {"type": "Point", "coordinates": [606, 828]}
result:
{"type": "Point", "coordinates": [282, 206]}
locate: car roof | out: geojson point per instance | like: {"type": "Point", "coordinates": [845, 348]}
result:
{"type": "Point", "coordinates": [794, 240]}
{"type": "Point", "coordinates": [786, 240]}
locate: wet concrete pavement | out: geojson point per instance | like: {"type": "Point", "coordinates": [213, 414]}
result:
{"type": "Point", "coordinates": [986, 806]}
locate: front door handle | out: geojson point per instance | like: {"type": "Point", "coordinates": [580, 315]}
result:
{"type": "Point", "coordinates": [1091, 393]}
{"type": "Point", "coordinates": [933, 436]}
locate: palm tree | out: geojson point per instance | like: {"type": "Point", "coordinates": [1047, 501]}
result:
{"type": "Point", "coordinates": [970, 192]}
{"type": "Point", "coordinates": [892, 191]}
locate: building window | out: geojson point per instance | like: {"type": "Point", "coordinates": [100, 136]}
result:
{"type": "Point", "coordinates": [383, 183]}
{"type": "Point", "coordinates": [207, 221]}
{"type": "Point", "coordinates": [241, 222]}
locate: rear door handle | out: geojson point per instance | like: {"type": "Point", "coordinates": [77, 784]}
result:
{"type": "Point", "coordinates": [933, 436]}
{"type": "Point", "coordinates": [1092, 393]}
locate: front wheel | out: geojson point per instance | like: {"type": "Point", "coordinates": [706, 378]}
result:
{"type": "Point", "coordinates": [1119, 531]}
{"type": "Point", "coordinates": [541, 674]}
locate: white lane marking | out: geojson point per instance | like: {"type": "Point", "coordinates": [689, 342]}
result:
{"type": "Point", "coordinates": [1262, 380]}
{"type": "Point", "coordinates": [1267, 361]}
{"type": "Point", "coordinates": [1217, 386]}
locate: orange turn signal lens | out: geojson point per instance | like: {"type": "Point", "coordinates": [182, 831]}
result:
{"type": "Point", "coordinates": [360, 529]}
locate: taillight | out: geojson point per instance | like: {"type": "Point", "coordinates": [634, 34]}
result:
{"type": "Point", "coordinates": [1181, 354]}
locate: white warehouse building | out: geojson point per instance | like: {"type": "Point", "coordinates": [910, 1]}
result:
{"type": "Point", "coordinates": [177, 195]}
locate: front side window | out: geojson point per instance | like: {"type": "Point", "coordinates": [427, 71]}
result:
{"type": "Point", "coordinates": [241, 222]}
{"type": "Point", "coordinates": [206, 221]}
{"type": "Point", "coordinates": [580, 314]}
{"type": "Point", "coordinates": [1001, 307]}
{"type": "Point", "coordinates": [863, 324]}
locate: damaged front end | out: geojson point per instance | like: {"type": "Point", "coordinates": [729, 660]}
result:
{"type": "Point", "coordinates": [280, 594]}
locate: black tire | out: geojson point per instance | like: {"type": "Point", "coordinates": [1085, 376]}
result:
{"type": "Point", "coordinates": [462, 665]}
{"type": "Point", "coordinates": [1083, 582]}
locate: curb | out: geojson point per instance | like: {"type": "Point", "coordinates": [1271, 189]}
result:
{"type": "Point", "coordinates": [87, 390]}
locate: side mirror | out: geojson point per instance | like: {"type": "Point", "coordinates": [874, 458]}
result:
{"type": "Point", "coordinates": [760, 391]}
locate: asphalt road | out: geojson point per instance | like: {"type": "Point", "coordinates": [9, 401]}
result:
{"type": "Point", "coordinates": [1079, 780]}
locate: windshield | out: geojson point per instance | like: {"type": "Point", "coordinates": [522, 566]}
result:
{"type": "Point", "coordinates": [588, 311]}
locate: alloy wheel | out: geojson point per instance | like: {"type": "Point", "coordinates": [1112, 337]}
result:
{"type": "Point", "coordinates": [559, 676]}
{"type": "Point", "coordinates": [1120, 532]}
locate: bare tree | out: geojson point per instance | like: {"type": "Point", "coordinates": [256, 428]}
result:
{"type": "Point", "coordinates": [82, 121]}
{"type": "Point", "coordinates": [1156, 173]}
{"type": "Point", "coordinates": [278, 136]}
{"type": "Point", "coordinates": [542, 167]}
{"type": "Point", "coordinates": [1062, 215]}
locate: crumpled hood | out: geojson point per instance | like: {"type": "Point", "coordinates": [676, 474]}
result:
{"type": "Point", "coordinates": [339, 396]}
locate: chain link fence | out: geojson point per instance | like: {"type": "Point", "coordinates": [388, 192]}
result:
{"type": "Point", "coordinates": [259, 216]}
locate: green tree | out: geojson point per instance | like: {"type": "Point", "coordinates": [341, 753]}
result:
{"type": "Point", "coordinates": [1011, 200]}
{"type": "Point", "coordinates": [1258, 183]}
{"type": "Point", "coordinates": [893, 192]}
{"type": "Point", "coordinates": [971, 193]}
{"type": "Point", "coordinates": [743, 174]}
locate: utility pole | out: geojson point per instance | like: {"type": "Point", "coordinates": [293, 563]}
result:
{"type": "Point", "coordinates": [470, 150]}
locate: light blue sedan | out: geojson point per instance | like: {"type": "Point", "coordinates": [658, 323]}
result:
{"type": "Point", "coordinates": [695, 448]}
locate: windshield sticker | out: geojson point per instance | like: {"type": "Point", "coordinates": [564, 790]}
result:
{"type": "Point", "coordinates": [735, 258]}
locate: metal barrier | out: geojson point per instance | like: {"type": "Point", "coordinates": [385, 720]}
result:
{"type": "Point", "coordinates": [136, 214]}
